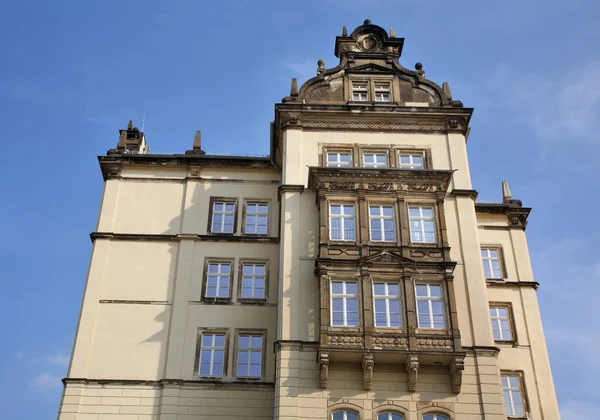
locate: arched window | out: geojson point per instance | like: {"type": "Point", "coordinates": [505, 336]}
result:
{"type": "Point", "coordinates": [434, 417]}
{"type": "Point", "coordinates": [390, 416]}
{"type": "Point", "coordinates": [344, 415]}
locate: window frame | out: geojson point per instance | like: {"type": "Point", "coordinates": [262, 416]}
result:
{"type": "Point", "coordinates": [250, 332]}
{"type": "Point", "coordinates": [389, 91]}
{"type": "Point", "coordinates": [375, 152]}
{"type": "Point", "coordinates": [240, 276]}
{"type": "Point", "coordinates": [425, 152]}
{"type": "Point", "coordinates": [441, 298]}
{"type": "Point", "coordinates": [337, 150]}
{"type": "Point", "coordinates": [386, 298]}
{"type": "Point", "coordinates": [217, 299]}
{"type": "Point", "coordinates": [500, 261]}
{"type": "Point", "coordinates": [344, 296]}
{"type": "Point", "coordinates": [522, 390]}
{"type": "Point", "coordinates": [197, 358]}
{"type": "Point", "coordinates": [366, 91]}
{"type": "Point", "coordinates": [211, 214]}
{"type": "Point", "coordinates": [436, 229]}
{"type": "Point", "coordinates": [511, 324]}
{"type": "Point", "coordinates": [248, 202]}
{"type": "Point", "coordinates": [381, 218]}
{"type": "Point", "coordinates": [411, 155]}
{"type": "Point", "coordinates": [436, 415]}
{"type": "Point", "coordinates": [342, 217]}
{"type": "Point", "coordinates": [345, 411]}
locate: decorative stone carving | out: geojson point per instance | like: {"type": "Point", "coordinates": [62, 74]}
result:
{"type": "Point", "coordinates": [323, 369]}
{"type": "Point", "coordinates": [387, 341]}
{"type": "Point", "coordinates": [456, 369]}
{"type": "Point", "coordinates": [342, 185]}
{"type": "Point", "coordinates": [386, 258]}
{"type": "Point", "coordinates": [386, 186]}
{"type": "Point", "coordinates": [113, 171]}
{"type": "Point", "coordinates": [412, 369]}
{"type": "Point", "coordinates": [195, 171]}
{"type": "Point", "coordinates": [368, 364]}
{"type": "Point", "coordinates": [434, 343]}
{"type": "Point", "coordinates": [344, 340]}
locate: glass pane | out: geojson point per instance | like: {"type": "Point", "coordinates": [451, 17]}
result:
{"type": "Point", "coordinates": [205, 356]}
{"type": "Point", "coordinates": [424, 321]}
{"type": "Point", "coordinates": [218, 356]}
{"type": "Point", "coordinates": [244, 341]}
{"type": "Point", "coordinates": [218, 207]}
{"type": "Point", "coordinates": [218, 369]}
{"type": "Point", "coordinates": [255, 357]}
{"type": "Point", "coordinates": [204, 368]}
{"type": "Point", "coordinates": [369, 158]}
{"type": "Point", "coordinates": [388, 211]}
{"type": "Point", "coordinates": [229, 207]}
{"type": "Point", "coordinates": [394, 306]}
{"type": "Point", "coordinates": [413, 212]}
{"type": "Point", "coordinates": [423, 307]}
{"type": "Point", "coordinates": [437, 308]}
{"type": "Point", "coordinates": [418, 160]}
{"type": "Point", "coordinates": [242, 369]}
{"type": "Point", "coordinates": [393, 289]}
{"type": "Point", "coordinates": [427, 212]}
{"type": "Point", "coordinates": [380, 320]}
{"type": "Point", "coordinates": [504, 382]}
{"type": "Point", "coordinates": [351, 288]}
{"type": "Point", "coordinates": [337, 304]}
{"type": "Point", "coordinates": [219, 341]}
{"type": "Point", "coordinates": [338, 415]}
{"type": "Point", "coordinates": [255, 371]}
{"type": "Point", "coordinates": [349, 210]}
{"type": "Point", "coordinates": [395, 320]}
{"type": "Point", "coordinates": [352, 305]}
{"type": "Point", "coordinates": [345, 157]}
{"type": "Point", "coordinates": [513, 381]}
{"type": "Point", "coordinates": [503, 312]}
{"type": "Point", "coordinates": [352, 319]}
{"type": "Point", "coordinates": [518, 409]}
{"type": "Point", "coordinates": [224, 291]}
{"type": "Point", "coordinates": [256, 342]}
{"type": "Point", "coordinates": [207, 340]}
{"type": "Point", "coordinates": [247, 292]}
{"type": "Point", "coordinates": [435, 290]}
{"type": "Point", "coordinates": [337, 287]}
{"type": "Point", "coordinates": [351, 416]}
{"type": "Point", "coordinates": [421, 290]}
{"type": "Point", "coordinates": [243, 357]}
{"type": "Point", "coordinates": [337, 318]}
{"type": "Point", "coordinates": [496, 334]}
{"type": "Point", "coordinates": [379, 289]}
{"type": "Point", "coordinates": [374, 211]}
{"type": "Point", "coordinates": [404, 159]}
{"type": "Point", "coordinates": [335, 209]}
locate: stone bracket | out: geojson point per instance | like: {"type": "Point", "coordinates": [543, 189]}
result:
{"type": "Point", "coordinates": [323, 368]}
{"type": "Point", "coordinates": [412, 369]}
{"type": "Point", "coordinates": [456, 370]}
{"type": "Point", "coordinates": [368, 364]}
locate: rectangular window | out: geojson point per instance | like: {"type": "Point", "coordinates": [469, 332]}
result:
{"type": "Point", "coordinates": [422, 224]}
{"type": "Point", "coordinates": [341, 222]}
{"type": "Point", "coordinates": [218, 279]}
{"type": "Point", "coordinates": [344, 303]}
{"type": "Point", "coordinates": [360, 91]}
{"type": "Point", "coordinates": [375, 160]}
{"type": "Point", "coordinates": [249, 356]}
{"type": "Point", "coordinates": [411, 161]}
{"type": "Point", "coordinates": [387, 306]}
{"type": "Point", "coordinates": [223, 217]}
{"type": "Point", "coordinates": [338, 159]}
{"type": "Point", "coordinates": [382, 92]}
{"type": "Point", "coordinates": [430, 306]}
{"type": "Point", "coordinates": [257, 215]}
{"type": "Point", "coordinates": [491, 263]}
{"type": "Point", "coordinates": [212, 354]}
{"type": "Point", "coordinates": [513, 395]}
{"type": "Point", "coordinates": [253, 281]}
{"type": "Point", "coordinates": [382, 224]}
{"type": "Point", "coordinates": [501, 323]}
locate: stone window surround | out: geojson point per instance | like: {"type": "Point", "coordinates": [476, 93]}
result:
{"type": "Point", "coordinates": [212, 202]}
{"type": "Point", "coordinates": [401, 298]}
{"type": "Point", "coordinates": [511, 321]}
{"type": "Point", "coordinates": [401, 219]}
{"type": "Point", "coordinates": [233, 279]}
{"type": "Point", "coordinates": [345, 406]}
{"type": "Point", "coordinates": [498, 248]}
{"type": "Point", "coordinates": [370, 81]}
{"type": "Point", "coordinates": [389, 407]}
{"type": "Point", "coordinates": [201, 331]}
{"type": "Point", "coordinates": [522, 388]}
{"type": "Point", "coordinates": [247, 201]}
{"type": "Point", "coordinates": [240, 276]}
{"type": "Point", "coordinates": [250, 331]}
{"type": "Point", "coordinates": [393, 152]}
{"type": "Point", "coordinates": [366, 302]}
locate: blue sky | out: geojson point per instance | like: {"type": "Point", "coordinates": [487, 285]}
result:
{"type": "Point", "coordinates": [74, 72]}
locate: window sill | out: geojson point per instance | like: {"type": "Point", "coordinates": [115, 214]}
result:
{"type": "Point", "coordinates": [217, 379]}
{"type": "Point", "coordinates": [247, 379]}
{"type": "Point", "coordinates": [250, 301]}
{"type": "Point", "coordinates": [432, 331]}
{"type": "Point", "coordinates": [216, 300]}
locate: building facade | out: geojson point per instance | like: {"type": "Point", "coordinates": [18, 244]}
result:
{"type": "Point", "coordinates": [349, 275]}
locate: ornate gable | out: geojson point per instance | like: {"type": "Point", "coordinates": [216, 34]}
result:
{"type": "Point", "coordinates": [385, 258]}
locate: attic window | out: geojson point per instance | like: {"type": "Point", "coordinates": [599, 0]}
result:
{"type": "Point", "coordinates": [360, 91]}
{"type": "Point", "coordinates": [382, 92]}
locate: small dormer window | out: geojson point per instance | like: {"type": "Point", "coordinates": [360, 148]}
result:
{"type": "Point", "coordinates": [382, 92]}
{"type": "Point", "coordinates": [360, 91]}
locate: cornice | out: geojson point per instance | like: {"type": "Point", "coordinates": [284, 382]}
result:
{"type": "Point", "coordinates": [203, 383]}
{"type": "Point", "coordinates": [464, 193]}
{"type": "Point", "coordinates": [385, 179]}
{"type": "Point", "coordinates": [492, 283]}
{"type": "Point", "coordinates": [285, 188]}
{"type": "Point", "coordinates": [176, 238]}
{"type": "Point", "coordinates": [516, 214]}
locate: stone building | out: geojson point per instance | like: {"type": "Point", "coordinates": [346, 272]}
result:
{"type": "Point", "coordinates": [349, 275]}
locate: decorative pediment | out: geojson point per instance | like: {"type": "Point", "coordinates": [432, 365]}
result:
{"type": "Point", "coordinates": [370, 68]}
{"type": "Point", "coordinates": [386, 258]}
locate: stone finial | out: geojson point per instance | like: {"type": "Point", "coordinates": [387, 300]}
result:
{"type": "Point", "coordinates": [367, 21]}
{"type": "Point", "coordinates": [419, 68]}
{"type": "Point", "coordinates": [294, 87]}
{"type": "Point", "coordinates": [197, 143]}
{"type": "Point", "coordinates": [344, 31]}
{"type": "Point", "coordinates": [392, 32]}
{"type": "Point", "coordinates": [130, 125]}
{"type": "Point", "coordinates": [122, 144]}
{"type": "Point", "coordinates": [446, 89]}
{"type": "Point", "coordinates": [321, 66]}
{"type": "Point", "coordinates": [506, 195]}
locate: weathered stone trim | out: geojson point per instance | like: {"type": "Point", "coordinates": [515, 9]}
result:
{"type": "Point", "coordinates": [135, 302]}
{"type": "Point", "coordinates": [464, 193]}
{"type": "Point", "coordinates": [285, 188]}
{"type": "Point", "coordinates": [176, 238]}
{"type": "Point", "coordinates": [203, 384]}
{"type": "Point", "coordinates": [497, 283]}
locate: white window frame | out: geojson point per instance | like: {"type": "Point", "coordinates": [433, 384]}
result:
{"type": "Point", "coordinates": [497, 321]}
{"type": "Point", "coordinates": [435, 416]}
{"type": "Point", "coordinates": [381, 218]}
{"type": "Point", "coordinates": [387, 298]}
{"type": "Point", "coordinates": [220, 276]}
{"type": "Point", "coordinates": [344, 296]}
{"type": "Point", "coordinates": [389, 415]}
{"type": "Point", "coordinates": [421, 219]}
{"type": "Point", "coordinates": [249, 351]}
{"type": "Point", "coordinates": [223, 213]}
{"type": "Point", "coordinates": [253, 277]}
{"type": "Point", "coordinates": [337, 163]}
{"type": "Point", "coordinates": [375, 164]}
{"type": "Point", "coordinates": [488, 260]}
{"type": "Point", "coordinates": [411, 164]}
{"type": "Point", "coordinates": [342, 217]}
{"type": "Point", "coordinates": [256, 214]}
{"type": "Point", "coordinates": [345, 414]}
{"type": "Point", "coordinates": [383, 91]}
{"type": "Point", "coordinates": [430, 299]}
{"type": "Point", "coordinates": [510, 391]}
{"type": "Point", "coordinates": [362, 89]}
{"type": "Point", "coordinates": [212, 349]}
